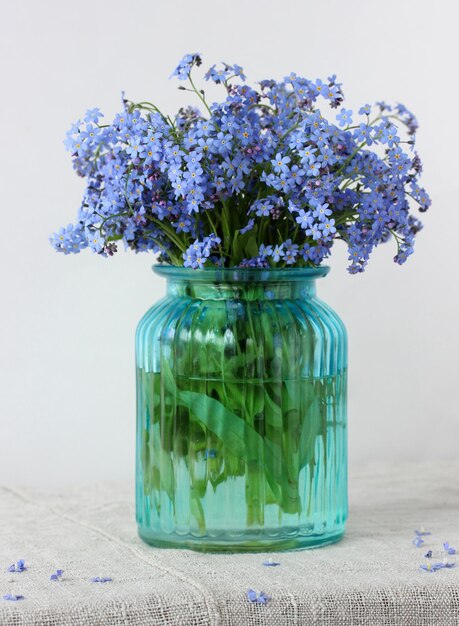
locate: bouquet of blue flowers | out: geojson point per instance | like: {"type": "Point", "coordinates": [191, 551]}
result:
{"type": "Point", "coordinates": [262, 179]}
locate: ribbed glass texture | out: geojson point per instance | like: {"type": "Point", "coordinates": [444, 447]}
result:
{"type": "Point", "coordinates": [241, 412]}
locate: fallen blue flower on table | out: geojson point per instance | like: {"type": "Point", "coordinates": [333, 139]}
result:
{"type": "Point", "coordinates": [429, 567]}
{"type": "Point", "coordinates": [270, 563]}
{"type": "Point", "coordinates": [257, 598]}
{"type": "Point", "coordinates": [13, 597]}
{"type": "Point", "coordinates": [422, 532]}
{"type": "Point", "coordinates": [434, 567]}
{"type": "Point", "coordinates": [428, 554]}
{"type": "Point", "coordinates": [57, 575]}
{"type": "Point", "coordinates": [418, 541]}
{"type": "Point", "coordinates": [101, 579]}
{"type": "Point", "coordinates": [449, 549]}
{"type": "Point", "coordinates": [20, 566]}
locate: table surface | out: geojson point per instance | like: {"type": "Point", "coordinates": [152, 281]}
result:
{"type": "Point", "coordinates": [372, 576]}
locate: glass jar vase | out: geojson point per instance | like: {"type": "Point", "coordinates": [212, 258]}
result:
{"type": "Point", "coordinates": [241, 412]}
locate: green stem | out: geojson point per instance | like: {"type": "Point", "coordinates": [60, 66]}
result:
{"type": "Point", "coordinates": [110, 217]}
{"type": "Point", "coordinates": [169, 231]}
{"type": "Point", "coordinates": [226, 226]}
{"type": "Point", "coordinates": [349, 159]}
{"type": "Point", "coordinates": [214, 228]}
{"type": "Point", "coordinates": [288, 132]}
{"type": "Point", "coordinates": [200, 96]}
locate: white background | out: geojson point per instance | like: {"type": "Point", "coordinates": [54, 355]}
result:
{"type": "Point", "coordinates": [67, 323]}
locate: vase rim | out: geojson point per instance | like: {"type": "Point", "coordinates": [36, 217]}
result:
{"type": "Point", "coordinates": [241, 274]}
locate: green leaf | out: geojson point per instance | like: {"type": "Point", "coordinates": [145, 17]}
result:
{"type": "Point", "coordinates": [312, 425]}
{"type": "Point", "coordinates": [240, 243]}
{"type": "Point", "coordinates": [233, 364]}
{"type": "Point", "coordinates": [273, 413]}
{"type": "Point", "coordinates": [237, 248]}
{"type": "Point", "coordinates": [251, 247]}
{"type": "Point", "coordinates": [161, 461]}
{"type": "Point", "coordinates": [146, 463]}
{"type": "Point", "coordinates": [233, 431]}
{"type": "Point", "coordinates": [168, 377]}
{"type": "Point", "coordinates": [237, 436]}
{"type": "Point", "coordinates": [114, 238]}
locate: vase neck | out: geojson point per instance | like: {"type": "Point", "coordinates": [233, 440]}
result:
{"type": "Point", "coordinates": [241, 284]}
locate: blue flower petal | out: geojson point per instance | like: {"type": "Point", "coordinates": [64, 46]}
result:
{"type": "Point", "coordinates": [257, 598]}
{"type": "Point", "coordinates": [252, 595]}
{"type": "Point", "coordinates": [428, 568]}
{"type": "Point", "coordinates": [19, 567]}
{"type": "Point", "coordinates": [449, 549]}
{"type": "Point", "coordinates": [263, 598]}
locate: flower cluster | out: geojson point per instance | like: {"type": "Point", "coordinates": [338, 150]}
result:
{"type": "Point", "coordinates": [263, 178]}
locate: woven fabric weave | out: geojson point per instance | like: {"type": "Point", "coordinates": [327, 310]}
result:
{"type": "Point", "coordinates": [371, 578]}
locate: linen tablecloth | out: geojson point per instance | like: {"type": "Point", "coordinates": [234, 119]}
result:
{"type": "Point", "coordinates": [372, 576]}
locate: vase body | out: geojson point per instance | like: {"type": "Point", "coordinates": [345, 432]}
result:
{"type": "Point", "coordinates": [241, 412]}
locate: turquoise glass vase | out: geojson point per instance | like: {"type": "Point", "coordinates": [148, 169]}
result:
{"type": "Point", "coordinates": [241, 412]}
